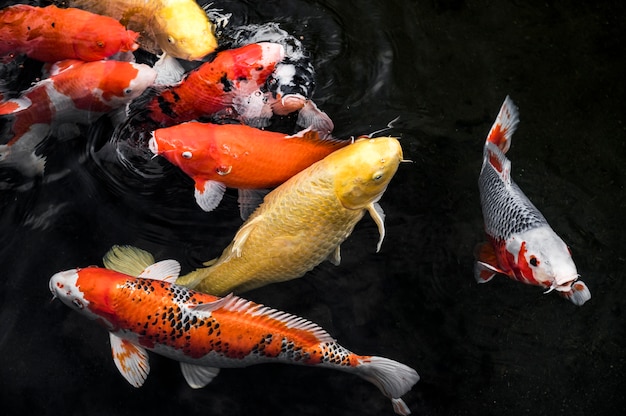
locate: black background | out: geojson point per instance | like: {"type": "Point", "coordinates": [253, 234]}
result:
{"type": "Point", "coordinates": [444, 67]}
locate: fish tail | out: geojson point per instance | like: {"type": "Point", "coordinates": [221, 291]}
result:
{"type": "Point", "coordinates": [505, 125]}
{"type": "Point", "coordinates": [393, 379]}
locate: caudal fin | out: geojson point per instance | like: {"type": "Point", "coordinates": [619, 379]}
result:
{"type": "Point", "coordinates": [504, 126]}
{"type": "Point", "coordinates": [394, 379]}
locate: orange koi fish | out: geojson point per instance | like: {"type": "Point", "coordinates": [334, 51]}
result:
{"type": "Point", "coordinates": [180, 28]}
{"type": "Point", "coordinates": [228, 85]}
{"type": "Point", "coordinates": [51, 34]}
{"type": "Point", "coordinates": [203, 332]}
{"type": "Point", "coordinates": [76, 92]}
{"type": "Point", "coordinates": [521, 243]}
{"type": "Point", "coordinates": [237, 156]}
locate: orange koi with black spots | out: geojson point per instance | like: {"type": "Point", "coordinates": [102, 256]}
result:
{"type": "Point", "coordinates": [205, 332]}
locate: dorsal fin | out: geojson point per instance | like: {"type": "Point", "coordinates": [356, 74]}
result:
{"type": "Point", "coordinates": [504, 126]}
{"type": "Point", "coordinates": [234, 303]}
{"type": "Point", "coordinates": [312, 136]}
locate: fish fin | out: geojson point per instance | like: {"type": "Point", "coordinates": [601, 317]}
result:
{"type": "Point", "coordinates": [484, 272]}
{"type": "Point", "coordinates": [393, 379]}
{"type": "Point", "coordinates": [311, 116]}
{"type": "Point", "coordinates": [335, 256]}
{"type": "Point", "coordinates": [130, 359]}
{"type": "Point", "coordinates": [165, 270]}
{"type": "Point", "coordinates": [211, 306]}
{"type": "Point", "coordinates": [579, 294]}
{"type": "Point", "coordinates": [494, 156]}
{"type": "Point", "coordinates": [28, 163]}
{"type": "Point", "coordinates": [378, 215]}
{"type": "Point", "coordinates": [234, 303]}
{"type": "Point", "coordinates": [504, 126]}
{"type": "Point", "coordinates": [243, 234]}
{"type": "Point", "coordinates": [249, 200]}
{"type": "Point", "coordinates": [127, 259]}
{"type": "Point", "coordinates": [169, 70]}
{"type": "Point", "coordinates": [198, 376]}
{"type": "Point", "coordinates": [210, 197]}
{"type": "Point", "coordinates": [211, 262]}
{"type": "Point", "coordinates": [314, 136]}
{"type": "Point", "coordinates": [14, 105]}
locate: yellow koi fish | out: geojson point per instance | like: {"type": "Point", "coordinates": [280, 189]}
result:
{"type": "Point", "coordinates": [303, 221]}
{"type": "Point", "coordinates": [179, 28]}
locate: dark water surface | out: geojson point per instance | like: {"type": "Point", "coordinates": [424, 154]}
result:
{"type": "Point", "coordinates": [444, 67]}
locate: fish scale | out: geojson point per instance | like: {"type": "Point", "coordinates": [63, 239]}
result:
{"type": "Point", "coordinates": [506, 211]}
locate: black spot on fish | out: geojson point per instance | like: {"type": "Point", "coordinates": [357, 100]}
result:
{"type": "Point", "coordinates": [166, 107]}
{"type": "Point", "coordinates": [52, 24]}
{"type": "Point", "coordinates": [227, 84]}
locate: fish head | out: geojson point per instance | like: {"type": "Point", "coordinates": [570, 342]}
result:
{"type": "Point", "coordinates": [544, 257]}
{"type": "Point", "coordinates": [363, 169]}
{"type": "Point", "coordinates": [183, 30]}
{"type": "Point", "coordinates": [104, 41]}
{"type": "Point", "coordinates": [86, 291]}
{"type": "Point", "coordinates": [125, 81]}
{"type": "Point", "coordinates": [187, 147]}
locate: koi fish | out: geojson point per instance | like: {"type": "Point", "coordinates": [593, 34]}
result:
{"type": "Point", "coordinates": [304, 221]}
{"type": "Point", "coordinates": [290, 87]}
{"type": "Point", "coordinates": [237, 156]}
{"type": "Point", "coordinates": [50, 34]}
{"type": "Point", "coordinates": [226, 85]}
{"type": "Point", "coordinates": [75, 92]}
{"type": "Point", "coordinates": [203, 332]}
{"type": "Point", "coordinates": [180, 28]}
{"type": "Point", "coordinates": [521, 243]}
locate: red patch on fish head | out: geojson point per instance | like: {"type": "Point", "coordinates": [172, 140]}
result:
{"type": "Point", "coordinates": [118, 82]}
{"type": "Point", "coordinates": [103, 37]}
{"type": "Point", "coordinates": [95, 284]}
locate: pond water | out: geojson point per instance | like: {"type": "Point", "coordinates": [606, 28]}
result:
{"type": "Point", "coordinates": [443, 67]}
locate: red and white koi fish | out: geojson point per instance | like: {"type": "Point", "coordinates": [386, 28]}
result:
{"type": "Point", "coordinates": [51, 34]}
{"type": "Point", "coordinates": [75, 92]}
{"type": "Point", "coordinates": [203, 332]}
{"type": "Point", "coordinates": [217, 156]}
{"type": "Point", "coordinates": [521, 243]}
{"type": "Point", "coordinates": [228, 85]}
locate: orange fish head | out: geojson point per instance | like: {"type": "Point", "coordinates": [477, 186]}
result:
{"type": "Point", "coordinates": [187, 146]}
{"type": "Point", "coordinates": [363, 169]}
{"type": "Point", "coordinates": [124, 81]}
{"type": "Point", "coordinates": [103, 40]}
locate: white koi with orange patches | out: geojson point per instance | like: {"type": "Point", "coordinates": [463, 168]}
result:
{"type": "Point", "coordinates": [206, 332]}
{"type": "Point", "coordinates": [522, 245]}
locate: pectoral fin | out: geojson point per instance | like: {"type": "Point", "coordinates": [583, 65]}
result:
{"type": "Point", "coordinates": [198, 376]}
{"type": "Point", "coordinates": [209, 194]}
{"type": "Point", "coordinates": [130, 359]}
{"type": "Point", "coordinates": [335, 256]}
{"type": "Point", "coordinates": [378, 215]}
{"type": "Point", "coordinates": [486, 266]}
{"type": "Point", "coordinates": [579, 294]}
{"type": "Point", "coordinates": [249, 200]}
{"type": "Point", "coordinates": [243, 234]}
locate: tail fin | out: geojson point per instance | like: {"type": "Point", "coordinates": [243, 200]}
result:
{"type": "Point", "coordinates": [393, 379]}
{"type": "Point", "coordinates": [504, 126]}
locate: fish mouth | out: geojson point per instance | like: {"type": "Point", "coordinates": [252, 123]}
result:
{"type": "Point", "coordinates": [152, 145]}
{"type": "Point", "coordinates": [563, 287]}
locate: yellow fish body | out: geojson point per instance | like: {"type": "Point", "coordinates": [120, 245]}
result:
{"type": "Point", "coordinates": [303, 221]}
{"type": "Point", "coordinates": [179, 28]}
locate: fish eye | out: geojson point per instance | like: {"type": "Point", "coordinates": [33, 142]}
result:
{"type": "Point", "coordinates": [187, 155]}
{"type": "Point", "coordinates": [78, 303]}
{"type": "Point", "coordinates": [100, 44]}
{"type": "Point", "coordinates": [170, 40]}
{"type": "Point", "coordinates": [377, 176]}
{"type": "Point", "coordinates": [128, 91]}
{"type": "Point", "coordinates": [533, 261]}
